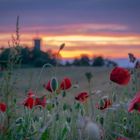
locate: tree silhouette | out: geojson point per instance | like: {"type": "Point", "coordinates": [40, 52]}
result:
{"type": "Point", "coordinates": [98, 61]}
{"type": "Point", "coordinates": [35, 57]}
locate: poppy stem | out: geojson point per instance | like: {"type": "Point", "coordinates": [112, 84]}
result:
{"type": "Point", "coordinates": [135, 79]}
{"type": "Point", "coordinates": [40, 74]}
{"type": "Point", "coordinates": [91, 101]}
{"type": "Point", "coordinates": [1, 118]}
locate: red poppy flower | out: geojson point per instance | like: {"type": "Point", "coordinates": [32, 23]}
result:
{"type": "Point", "coordinates": [120, 76]}
{"type": "Point", "coordinates": [48, 86]}
{"type": "Point", "coordinates": [106, 103]}
{"type": "Point", "coordinates": [41, 101]}
{"type": "Point", "coordinates": [135, 103]}
{"type": "Point", "coordinates": [65, 84]}
{"type": "Point", "coordinates": [3, 107]}
{"type": "Point", "coordinates": [82, 97]}
{"type": "Point", "coordinates": [29, 102]}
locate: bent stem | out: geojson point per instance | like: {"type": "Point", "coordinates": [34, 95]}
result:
{"type": "Point", "coordinates": [40, 74]}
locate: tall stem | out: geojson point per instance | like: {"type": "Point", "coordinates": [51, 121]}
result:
{"type": "Point", "coordinates": [40, 74]}
{"type": "Point", "coordinates": [91, 101]}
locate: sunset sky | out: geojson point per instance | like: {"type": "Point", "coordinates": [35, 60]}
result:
{"type": "Point", "coordinates": [110, 28]}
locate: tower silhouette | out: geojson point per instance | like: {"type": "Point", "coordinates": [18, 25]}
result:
{"type": "Point", "coordinates": [37, 43]}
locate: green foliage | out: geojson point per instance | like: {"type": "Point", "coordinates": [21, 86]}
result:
{"type": "Point", "coordinates": [34, 58]}
{"type": "Point", "coordinates": [98, 61]}
{"type": "Point", "coordinates": [45, 135]}
{"type": "Point", "coordinates": [64, 132]}
{"type": "Point", "coordinates": [83, 61]}
{"type": "Point", "coordinates": [4, 57]}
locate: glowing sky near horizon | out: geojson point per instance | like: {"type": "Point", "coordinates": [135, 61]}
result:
{"type": "Point", "coordinates": [93, 27]}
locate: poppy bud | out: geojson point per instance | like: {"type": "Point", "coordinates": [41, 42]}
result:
{"type": "Point", "coordinates": [88, 76]}
{"type": "Point", "coordinates": [54, 84]}
{"type": "Point", "coordinates": [61, 46]}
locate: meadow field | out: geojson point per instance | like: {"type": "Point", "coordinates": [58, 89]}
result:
{"type": "Point", "coordinates": [29, 78]}
{"type": "Point", "coordinates": [63, 115]}
{"type": "Point", "coordinates": [69, 70]}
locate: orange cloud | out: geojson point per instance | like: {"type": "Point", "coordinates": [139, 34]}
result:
{"type": "Point", "coordinates": [110, 45]}
{"type": "Point", "coordinates": [93, 40]}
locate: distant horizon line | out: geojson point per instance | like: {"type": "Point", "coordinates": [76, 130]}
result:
{"type": "Point", "coordinates": [71, 58]}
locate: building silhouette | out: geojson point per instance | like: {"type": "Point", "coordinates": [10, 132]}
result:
{"type": "Point", "coordinates": [37, 44]}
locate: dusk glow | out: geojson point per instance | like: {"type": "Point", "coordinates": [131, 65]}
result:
{"type": "Point", "coordinates": [93, 27]}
